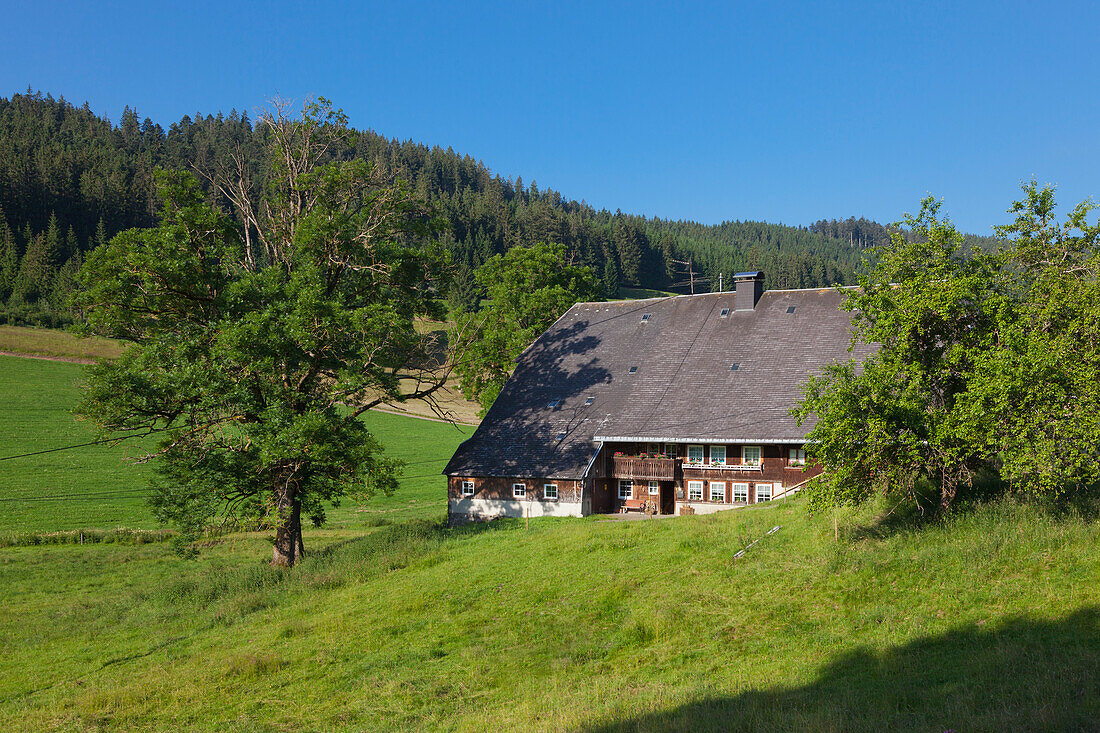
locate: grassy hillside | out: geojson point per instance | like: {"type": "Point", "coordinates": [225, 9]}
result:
{"type": "Point", "coordinates": [642, 293]}
{"type": "Point", "coordinates": [988, 621]}
{"type": "Point", "coordinates": [97, 487]}
{"type": "Point", "coordinates": [54, 343]}
{"type": "Point", "coordinates": [94, 486]}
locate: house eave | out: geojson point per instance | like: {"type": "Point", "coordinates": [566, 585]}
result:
{"type": "Point", "coordinates": [588, 468]}
{"type": "Point", "coordinates": [707, 441]}
{"type": "Point", "coordinates": [526, 474]}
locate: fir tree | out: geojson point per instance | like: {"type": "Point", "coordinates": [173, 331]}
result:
{"type": "Point", "coordinates": [9, 259]}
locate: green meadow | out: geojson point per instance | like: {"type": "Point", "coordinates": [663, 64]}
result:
{"type": "Point", "coordinates": [986, 620]}
{"type": "Point", "coordinates": [104, 487]}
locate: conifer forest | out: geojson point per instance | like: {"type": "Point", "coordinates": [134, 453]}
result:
{"type": "Point", "coordinates": [71, 180]}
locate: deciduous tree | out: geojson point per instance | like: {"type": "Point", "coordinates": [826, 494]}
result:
{"type": "Point", "coordinates": [528, 289]}
{"type": "Point", "coordinates": [987, 359]}
{"type": "Point", "coordinates": [1038, 387]}
{"type": "Point", "coordinates": [894, 420]}
{"type": "Point", "coordinates": [258, 340]}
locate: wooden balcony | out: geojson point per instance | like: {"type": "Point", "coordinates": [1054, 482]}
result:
{"type": "Point", "coordinates": [654, 469]}
{"type": "Point", "coordinates": [757, 467]}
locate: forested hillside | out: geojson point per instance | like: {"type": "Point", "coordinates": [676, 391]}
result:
{"type": "Point", "coordinates": [70, 180]}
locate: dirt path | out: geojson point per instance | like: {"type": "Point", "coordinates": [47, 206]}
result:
{"type": "Point", "coordinates": [422, 417]}
{"type": "Point", "coordinates": [44, 357]}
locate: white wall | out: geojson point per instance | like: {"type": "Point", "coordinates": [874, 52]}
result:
{"type": "Point", "coordinates": [489, 508]}
{"type": "Point", "coordinates": [705, 508]}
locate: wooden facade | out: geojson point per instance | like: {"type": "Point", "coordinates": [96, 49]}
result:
{"type": "Point", "coordinates": [720, 475]}
{"type": "Point", "coordinates": [628, 477]}
{"type": "Point", "coordinates": [471, 497]}
{"type": "Point", "coordinates": [712, 377]}
{"type": "Point", "coordinates": [496, 488]}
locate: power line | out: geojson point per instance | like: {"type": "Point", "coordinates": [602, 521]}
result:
{"type": "Point", "coordinates": [140, 493]}
{"type": "Point", "coordinates": [82, 445]}
{"type": "Point", "coordinates": [137, 493]}
{"type": "Point", "coordinates": [140, 435]}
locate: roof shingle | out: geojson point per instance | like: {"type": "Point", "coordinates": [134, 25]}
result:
{"type": "Point", "coordinates": [683, 389]}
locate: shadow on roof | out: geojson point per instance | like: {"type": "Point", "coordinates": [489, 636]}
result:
{"type": "Point", "coordinates": [536, 426]}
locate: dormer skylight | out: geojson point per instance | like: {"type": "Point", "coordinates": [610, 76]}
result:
{"type": "Point", "coordinates": [633, 370]}
{"type": "Point", "coordinates": [589, 401]}
{"type": "Point", "coordinates": [561, 436]}
{"type": "Point", "coordinates": [553, 403]}
{"type": "Point", "coordinates": [735, 366]}
{"type": "Point", "coordinates": [645, 317]}
{"type": "Point", "coordinates": [725, 312]}
{"type": "Point", "coordinates": [790, 308]}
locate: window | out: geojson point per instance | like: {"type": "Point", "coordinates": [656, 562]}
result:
{"type": "Point", "coordinates": [695, 490]}
{"type": "Point", "coordinates": [550, 491]}
{"type": "Point", "coordinates": [519, 490]}
{"type": "Point", "coordinates": [790, 309]}
{"type": "Point", "coordinates": [797, 457]}
{"type": "Point", "coordinates": [763, 492]}
{"type": "Point", "coordinates": [740, 493]}
{"type": "Point", "coordinates": [718, 455]}
{"type": "Point", "coordinates": [671, 450]}
{"type": "Point", "coordinates": [654, 488]}
{"type": "Point", "coordinates": [653, 448]}
{"type": "Point", "coordinates": [590, 400]}
{"type": "Point", "coordinates": [645, 317]}
{"type": "Point", "coordinates": [750, 455]}
{"type": "Point", "coordinates": [725, 312]}
{"type": "Point", "coordinates": [718, 491]}
{"type": "Point", "coordinates": [695, 454]}
{"type": "Point", "coordinates": [626, 489]}
{"type": "Point", "coordinates": [734, 366]}
{"type": "Point", "coordinates": [467, 488]}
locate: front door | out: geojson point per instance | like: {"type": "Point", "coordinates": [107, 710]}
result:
{"type": "Point", "coordinates": [668, 497]}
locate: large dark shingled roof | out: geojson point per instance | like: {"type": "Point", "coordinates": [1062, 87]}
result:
{"type": "Point", "coordinates": [683, 389]}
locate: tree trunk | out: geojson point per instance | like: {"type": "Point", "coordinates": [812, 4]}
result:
{"type": "Point", "coordinates": [288, 548]}
{"type": "Point", "coordinates": [948, 488]}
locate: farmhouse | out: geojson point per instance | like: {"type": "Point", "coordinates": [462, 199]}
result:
{"type": "Point", "coordinates": [667, 405]}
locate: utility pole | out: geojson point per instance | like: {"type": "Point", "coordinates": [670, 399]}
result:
{"type": "Point", "coordinates": [691, 271]}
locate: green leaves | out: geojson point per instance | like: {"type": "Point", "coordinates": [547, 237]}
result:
{"type": "Point", "coordinates": [528, 289]}
{"type": "Point", "coordinates": [258, 341]}
{"type": "Point", "coordinates": [987, 360]}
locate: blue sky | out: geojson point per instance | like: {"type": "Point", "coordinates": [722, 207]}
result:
{"type": "Point", "coordinates": [784, 112]}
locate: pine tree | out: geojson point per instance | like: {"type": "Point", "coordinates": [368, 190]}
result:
{"type": "Point", "coordinates": [54, 246]}
{"type": "Point", "coordinates": [36, 273]}
{"type": "Point", "coordinates": [65, 283]}
{"type": "Point", "coordinates": [610, 278]}
{"type": "Point", "coordinates": [70, 247]}
{"type": "Point", "coordinates": [9, 260]}
{"type": "Point", "coordinates": [100, 234]}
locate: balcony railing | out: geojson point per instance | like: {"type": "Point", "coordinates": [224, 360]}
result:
{"type": "Point", "coordinates": [628, 467]}
{"type": "Point", "coordinates": [723, 466]}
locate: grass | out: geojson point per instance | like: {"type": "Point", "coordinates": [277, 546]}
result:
{"type": "Point", "coordinates": [985, 621]}
{"type": "Point", "coordinates": [57, 344]}
{"type": "Point", "coordinates": [98, 486]}
{"type": "Point", "coordinates": [642, 293]}
{"type": "Point", "coordinates": [94, 486]}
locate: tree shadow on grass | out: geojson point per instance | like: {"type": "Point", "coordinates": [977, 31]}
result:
{"type": "Point", "coordinates": [1023, 675]}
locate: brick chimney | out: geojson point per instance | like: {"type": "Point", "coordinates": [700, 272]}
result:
{"type": "Point", "coordinates": [749, 288]}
